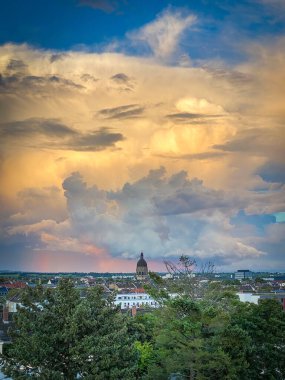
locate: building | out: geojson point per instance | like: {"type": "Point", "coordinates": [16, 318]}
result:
{"type": "Point", "coordinates": [256, 297]}
{"type": "Point", "coordinates": [13, 302]}
{"type": "Point", "coordinates": [14, 285]}
{"type": "Point", "coordinates": [3, 291]}
{"type": "Point", "coordinates": [142, 270]}
{"type": "Point", "coordinates": [248, 297]}
{"type": "Point", "coordinates": [135, 298]}
{"type": "Point", "coordinates": [242, 274]}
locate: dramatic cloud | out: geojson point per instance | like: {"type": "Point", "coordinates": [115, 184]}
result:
{"type": "Point", "coordinates": [13, 83]}
{"type": "Point", "coordinates": [95, 141]}
{"type": "Point", "coordinates": [198, 106]}
{"type": "Point", "coordinates": [113, 119]}
{"type": "Point", "coordinates": [122, 82]}
{"type": "Point", "coordinates": [182, 117]}
{"type": "Point", "coordinates": [122, 112]}
{"type": "Point", "coordinates": [265, 141]}
{"type": "Point", "coordinates": [165, 215]}
{"type": "Point", "coordinates": [57, 135]}
{"type": "Point", "coordinates": [16, 65]}
{"type": "Point", "coordinates": [197, 156]}
{"type": "Point", "coordinates": [29, 128]}
{"type": "Point", "coordinates": [162, 35]}
{"type": "Point", "coordinates": [120, 78]}
{"type": "Point", "coordinates": [273, 172]}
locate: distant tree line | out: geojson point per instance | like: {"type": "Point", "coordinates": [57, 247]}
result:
{"type": "Point", "coordinates": [57, 335]}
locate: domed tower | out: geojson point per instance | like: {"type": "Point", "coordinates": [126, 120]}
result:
{"type": "Point", "coordinates": [142, 271]}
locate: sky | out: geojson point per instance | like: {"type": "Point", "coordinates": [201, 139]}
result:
{"type": "Point", "coordinates": [152, 126]}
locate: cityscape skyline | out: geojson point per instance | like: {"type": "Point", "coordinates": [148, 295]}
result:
{"type": "Point", "coordinates": [154, 127]}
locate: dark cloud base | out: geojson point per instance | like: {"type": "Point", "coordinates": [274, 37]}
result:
{"type": "Point", "coordinates": [128, 111]}
{"type": "Point", "coordinates": [29, 133]}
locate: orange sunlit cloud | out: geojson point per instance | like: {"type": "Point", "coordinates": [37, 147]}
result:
{"type": "Point", "coordinates": [105, 154]}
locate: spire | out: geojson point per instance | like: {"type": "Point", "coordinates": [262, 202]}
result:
{"type": "Point", "coordinates": [141, 255]}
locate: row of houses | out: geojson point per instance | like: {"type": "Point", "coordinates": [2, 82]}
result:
{"type": "Point", "coordinates": [6, 286]}
{"type": "Point", "coordinates": [141, 300]}
{"type": "Point", "coordinates": [135, 298]}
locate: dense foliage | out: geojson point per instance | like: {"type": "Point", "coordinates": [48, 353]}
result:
{"type": "Point", "coordinates": [57, 335]}
{"type": "Point", "coordinates": [198, 341]}
{"type": "Point", "coordinates": [204, 332]}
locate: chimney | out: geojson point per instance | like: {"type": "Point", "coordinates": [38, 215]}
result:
{"type": "Point", "coordinates": [5, 314]}
{"type": "Point", "coordinates": [134, 311]}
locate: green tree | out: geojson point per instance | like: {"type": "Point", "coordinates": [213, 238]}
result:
{"type": "Point", "coordinates": [105, 349]}
{"type": "Point", "coordinates": [146, 357]}
{"type": "Point", "coordinates": [143, 327]}
{"type": "Point", "coordinates": [185, 342]}
{"type": "Point", "coordinates": [205, 332]}
{"type": "Point", "coordinates": [56, 335]}
{"type": "Point", "coordinates": [259, 336]}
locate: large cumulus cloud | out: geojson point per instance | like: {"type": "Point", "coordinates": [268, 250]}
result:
{"type": "Point", "coordinates": [217, 128]}
{"type": "Point", "coordinates": [162, 215]}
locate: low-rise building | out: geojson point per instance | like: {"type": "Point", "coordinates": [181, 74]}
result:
{"type": "Point", "coordinates": [256, 297]}
{"type": "Point", "coordinates": [3, 291]}
{"type": "Point", "coordinates": [137, 297]}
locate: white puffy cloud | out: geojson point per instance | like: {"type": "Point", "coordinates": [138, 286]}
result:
{"type": "Point", "coordinates": [162, 36]}
{"type": "Point", "coordinates": [198, 106]}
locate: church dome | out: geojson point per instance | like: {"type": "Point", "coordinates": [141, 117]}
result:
{"type": "Point", "coordinates": [141, 262]}
{"type": "Point", "coordinates": [142, 270]}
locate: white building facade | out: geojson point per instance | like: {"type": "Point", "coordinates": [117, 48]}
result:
{"type": "Point", "coordinates": [140, 300]}
{"type": "Point", "coordinates": [248, 297]}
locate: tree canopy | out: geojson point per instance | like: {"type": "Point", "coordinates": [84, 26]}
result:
{"type": "Point", "coordinates": [205, 332]}
{"type": "Point", "coordinates": [200, 332]}
{"type": "Point", "coordinates": [56, 335]}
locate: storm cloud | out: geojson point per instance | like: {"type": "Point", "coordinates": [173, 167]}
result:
{"type": "Point", "coordinates": [166, 215]}
{"type": "Point", "coordinates": [110, 150]}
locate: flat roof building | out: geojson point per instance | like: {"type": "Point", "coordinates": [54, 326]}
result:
{"type": "Point", "coordinates": [241, 274]}
{"type": "Point", "coordinates": [137, 298]}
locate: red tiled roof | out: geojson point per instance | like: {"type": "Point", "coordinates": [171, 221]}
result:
{"type": "Point", "coordinates": [139, 290]}
{"type": "Point", "coordinates": [14, 285]}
